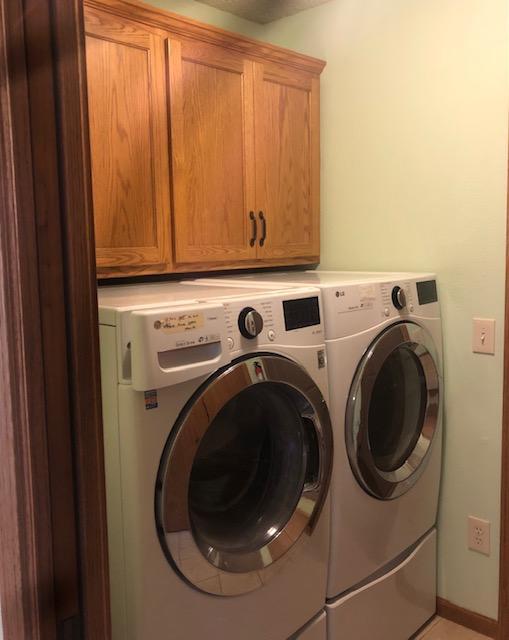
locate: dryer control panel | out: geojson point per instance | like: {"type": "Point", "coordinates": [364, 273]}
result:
{"type": "Point", "coordinates": [352, 308]}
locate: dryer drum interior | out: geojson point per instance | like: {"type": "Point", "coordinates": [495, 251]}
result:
{"type": "Point", "coordinates": [244, 474]}
{"type": "Point", "coordinates": [393, 410]}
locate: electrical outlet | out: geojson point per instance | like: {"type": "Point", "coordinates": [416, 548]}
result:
{"type": "Point", "coordinates": [479, 535]}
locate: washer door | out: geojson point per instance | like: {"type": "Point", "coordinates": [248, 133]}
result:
{"type": "Point", "coordinates": [244, 473]}
{"type": "Point", "coordinates": [393, 411]}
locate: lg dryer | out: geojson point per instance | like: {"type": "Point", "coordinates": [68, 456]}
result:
{"type": "Point", "coordinates": [384, 351]}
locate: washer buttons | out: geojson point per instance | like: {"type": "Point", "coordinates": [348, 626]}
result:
{"type": "Point", "coordinates": [271, 335]}
{"type": "Point", "coordinates": [230, 343]}
{"type": "Point", "coordinates": [411, 308]}
{"type": "Point", "coordinates": [387, 313]}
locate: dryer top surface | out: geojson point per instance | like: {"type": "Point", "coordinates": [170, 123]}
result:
{"type": "Point", "coordinates": [315, 278]}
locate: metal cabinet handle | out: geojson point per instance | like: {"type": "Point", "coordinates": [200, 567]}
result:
{"type": "Point", "coordinates": [252, 217]}
{"type": "Point", "coordinates": [263, 220]}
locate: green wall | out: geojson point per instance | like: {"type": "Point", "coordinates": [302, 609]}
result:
{"type": "Point", "coordinates": [414, 143]}
{"type": "Point", "coordinates": [414, 170]}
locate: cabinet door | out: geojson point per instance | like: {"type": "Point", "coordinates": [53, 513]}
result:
{"type": "Point", "coordinates": [211, 107]}
{"type": "Point", "coordinates": [129, 142]}
{"type": "Point", "coordinates": [287, 162]}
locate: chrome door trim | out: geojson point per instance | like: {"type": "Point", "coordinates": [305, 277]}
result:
{"type": "Point", "coordinates": [177, 462]}
{"type": "Point", "coordinates": [387, 485]}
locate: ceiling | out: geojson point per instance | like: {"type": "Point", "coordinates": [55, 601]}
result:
{"type": "Point", "coordinates": [263, 11]}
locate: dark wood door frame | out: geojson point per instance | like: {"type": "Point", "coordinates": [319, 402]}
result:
{"type": "Point", "coordinates": [53, 541]}
{"type": "Point", "coordinates": [53, 550]}
{"type": "Point", "coordinates": [503, 602]}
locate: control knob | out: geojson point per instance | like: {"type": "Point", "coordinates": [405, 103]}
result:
{"type": "Point", "coordinates": [398, 298]}
{"type": "Point", "coordinates": [250, 323]}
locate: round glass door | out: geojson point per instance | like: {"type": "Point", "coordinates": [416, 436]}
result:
{"type": "Point", "coordinates": [244, 474]}
{"type": "Point", "coordinates": [393, 411]}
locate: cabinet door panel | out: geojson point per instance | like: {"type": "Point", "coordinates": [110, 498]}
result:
{"type": "Point", "coordinates": [128, 138]}
{"type": "Point", "coordinates": [287, 161]}
{"type": "Point", "coordinates": [212, 153]}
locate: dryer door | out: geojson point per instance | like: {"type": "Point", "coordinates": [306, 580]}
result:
{"type": "Point", "coordinates": [244, 474]}
{"type": "Point", "coordinates": [393, 411]}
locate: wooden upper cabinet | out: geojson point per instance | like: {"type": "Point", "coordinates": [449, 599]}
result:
{"type": "Point", "coordinates": [287, 162]}
{"type": "Point", "coordinates": [204, 145]}
{"type": "Point", "coordinates": [129, 142]}
{"type": "Point", "coordinates": [212, 149]}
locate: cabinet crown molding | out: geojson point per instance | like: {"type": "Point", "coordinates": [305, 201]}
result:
{"type": "Point", "coordinates": [186, 27]}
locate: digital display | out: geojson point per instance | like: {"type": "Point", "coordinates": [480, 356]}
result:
{"type": "Point", "coordinates": [304, 312]}
{"type": "Point", "coordinates": [427, 291]}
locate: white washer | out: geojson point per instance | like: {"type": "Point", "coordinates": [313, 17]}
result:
{"type": "Point", "coordinates": [384, 351]}
{"type": "Point", "coordinates": [218, 451]}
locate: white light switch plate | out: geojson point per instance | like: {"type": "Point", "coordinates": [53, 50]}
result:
{"type": "Point", "coordinates": [483, 336]}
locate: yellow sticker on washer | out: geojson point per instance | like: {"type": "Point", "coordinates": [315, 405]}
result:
{"type": "Point", "coordinates": [179, 322]}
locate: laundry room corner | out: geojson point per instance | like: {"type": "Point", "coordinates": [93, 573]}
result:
{"type": "Point", "coordinates": [254, 309]}
{"type": "Point", "coordinates": [414, 177]}
{"type": "Point", "coordinates": [414, 166]}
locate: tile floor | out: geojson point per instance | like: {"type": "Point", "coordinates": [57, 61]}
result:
{"type": "Point", "coordinates": [204, 574]}
{"type": "Point", "coordinates": [440, 629]}
{"type": "Point", "coordinates": [183, 547]}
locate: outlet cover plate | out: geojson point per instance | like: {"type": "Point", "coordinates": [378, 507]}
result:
{"type": "Point", "coordinates": [479, 535]}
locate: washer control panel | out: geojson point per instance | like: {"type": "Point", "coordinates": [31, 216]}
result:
{"type": "Point", "coordinates": [186, 340]}
{"type": "Point", "coordinates": [289, 317]}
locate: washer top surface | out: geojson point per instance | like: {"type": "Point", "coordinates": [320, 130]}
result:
{"type": "Point", "coordinates": [115, 300]}
{"type": "Point", "coordinates": [121, 297]}
{"type": "Point", "coordinates": [164, 319]}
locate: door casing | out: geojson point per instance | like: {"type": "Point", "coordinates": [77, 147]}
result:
{"type": "Point", "coordinates": [53, 557]}
{"type": "Point", "coordinates": [43, 247]}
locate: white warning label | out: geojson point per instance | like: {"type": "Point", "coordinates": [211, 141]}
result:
{"type": "Point", "coordinates": [357, 298]}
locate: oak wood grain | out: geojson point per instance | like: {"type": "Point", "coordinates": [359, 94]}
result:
{"type": "Point", "coordinates": [41, 62]}
{"type": "Point", "coordinates": [203, 267]}
{"type": "Point", "coordinates": [244, 146]}
{"type": "Point", "coordinates": [212, 153]}
{"type": "Point", "coordinates": [181, 26]}
{"type": "Point", "coordinates": [287, 152]}
{"type": "Point", "coordinates": [128, 136]}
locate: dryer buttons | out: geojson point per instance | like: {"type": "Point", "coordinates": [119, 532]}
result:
{"type": "Point", "coordinates": [271, 335]}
